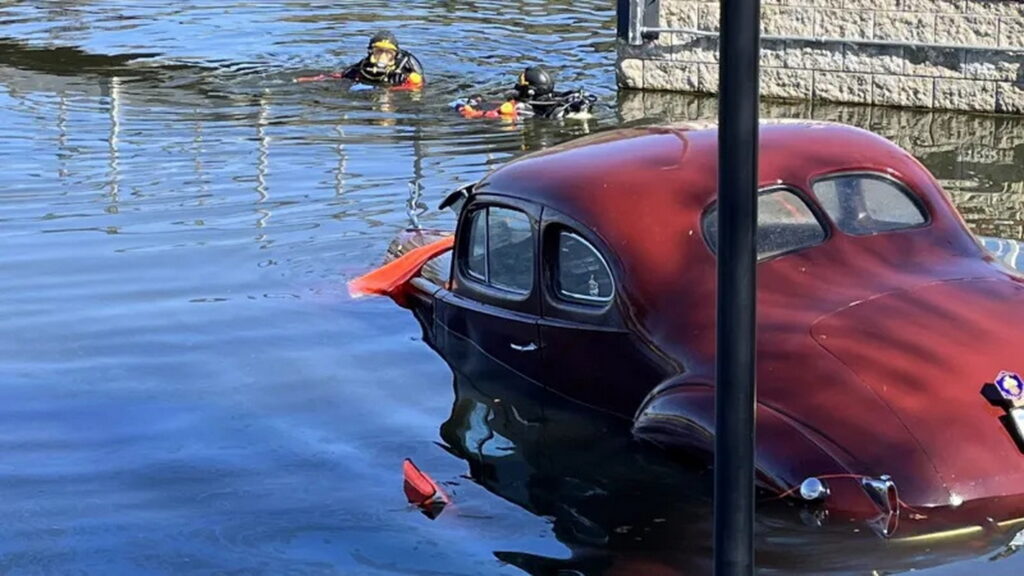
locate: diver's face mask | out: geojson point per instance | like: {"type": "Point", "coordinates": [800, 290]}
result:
{"type": "Point", "coordinates": [382, 57]}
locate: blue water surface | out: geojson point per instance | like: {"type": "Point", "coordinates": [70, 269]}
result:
{"type": "Point", "coordinates": [185, 386]}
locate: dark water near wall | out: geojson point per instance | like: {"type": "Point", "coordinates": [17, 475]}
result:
{"type": "Point", "coordinates": [186, 388]}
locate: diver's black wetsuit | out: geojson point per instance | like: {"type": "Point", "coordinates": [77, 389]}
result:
{"type": "Point", "coordinates": [534, 96]}
{"type": "Point", "coordinates": [558, 104]}
{"type": "Point", "coordinates": [551, 106]}
{"type": "Point", "coordinates": [396, 75]}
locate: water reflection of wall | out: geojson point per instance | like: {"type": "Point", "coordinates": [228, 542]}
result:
{"type": "Point", "coordinates": [978, 158]}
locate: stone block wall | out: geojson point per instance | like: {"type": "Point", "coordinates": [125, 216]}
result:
{"type": "Point", "coordinates": [979, 65]}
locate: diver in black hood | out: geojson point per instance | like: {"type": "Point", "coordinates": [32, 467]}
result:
{"type": "Point", "coordinates": [534, 95]}
{"type": "Point", "coordinates": [385, 64]}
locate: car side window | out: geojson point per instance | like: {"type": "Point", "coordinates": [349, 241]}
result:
{"type": "Point", "coordinates": [501, 249]}
{"type": "Point", "coordinates": [476, 258]}
{"type": "Point", "coordinates": [784, 223]}
{"type": "Point", "coordinates": [866, 204]}
{"type": "Point", "coordinates": [581, 273]}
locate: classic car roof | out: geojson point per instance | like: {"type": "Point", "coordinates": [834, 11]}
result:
{"type": "Point", "coordinates": [642, 192]}
{"type": "Point", "coordinates": [616, 162]}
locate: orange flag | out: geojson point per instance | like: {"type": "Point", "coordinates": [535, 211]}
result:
{"type": "Point", "coordinates": [393, 275]}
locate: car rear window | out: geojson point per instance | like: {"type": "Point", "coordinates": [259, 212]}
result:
{"type": "Point", "coordinates": [866, 204]}
{"type": "Point", "coordinates": [784, 223]}
{"type": "Point", "coordinates": [583, 274]}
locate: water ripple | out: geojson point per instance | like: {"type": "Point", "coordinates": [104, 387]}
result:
{"type": "Point", "coordinates": [184, 385]}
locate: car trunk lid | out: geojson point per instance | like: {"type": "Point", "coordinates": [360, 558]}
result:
{"type": "Point", "coordinates": [931, 354]}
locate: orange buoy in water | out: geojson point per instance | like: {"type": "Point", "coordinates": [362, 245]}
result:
{"type": "Point", "coordinates": [390, 277]}
{"type": "Point", "coordinates": [422, 491]}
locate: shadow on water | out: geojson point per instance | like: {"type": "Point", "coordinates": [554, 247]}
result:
{"type": "Point", "coordinates": [66, 61]}
{"type": "Point", "coordinates": [184, 387]}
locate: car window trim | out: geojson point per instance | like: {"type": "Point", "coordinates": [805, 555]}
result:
{"type": "Point", "coordinates": [487, 240]}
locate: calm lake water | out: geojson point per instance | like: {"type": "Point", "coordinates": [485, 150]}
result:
{"type": "Point", "coordinates": [186, 388]}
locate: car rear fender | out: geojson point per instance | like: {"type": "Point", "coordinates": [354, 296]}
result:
{"type": "Point", "coordinates": [679, 416]}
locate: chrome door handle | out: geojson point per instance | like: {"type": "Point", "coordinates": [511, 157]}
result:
{"type": "Point", "coordinates": [527, 348]}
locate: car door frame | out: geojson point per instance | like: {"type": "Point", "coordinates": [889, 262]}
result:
{"type": "Point", "coordinates": [511, 314]}
{"type": "Point", "coordinates": [465, 286]}
{"type": "Point", "coordinates": [567, 367]}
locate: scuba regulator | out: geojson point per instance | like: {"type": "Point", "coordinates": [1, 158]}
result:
{"type": "Point", "coordinates": [381, 60]}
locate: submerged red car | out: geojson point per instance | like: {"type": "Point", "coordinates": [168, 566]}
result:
{"type": "Point", "coordinates": [889, 340]}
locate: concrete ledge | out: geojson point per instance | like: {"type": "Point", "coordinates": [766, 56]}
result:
{"type": "Point", "coordinates": [987, 76]}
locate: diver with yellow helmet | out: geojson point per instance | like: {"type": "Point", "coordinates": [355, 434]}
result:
{"type": "Point", "coordinates": [385, 64]}
{"type": "Point", "coordinates": [534, 96]}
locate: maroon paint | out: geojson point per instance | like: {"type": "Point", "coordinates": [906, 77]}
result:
{"type": "Point", "coordinates": [872, 351]}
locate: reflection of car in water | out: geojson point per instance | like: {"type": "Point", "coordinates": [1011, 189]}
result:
{"type": "Point", "coordinates": [589, 269]}
{"type": "Point", "coordinates": [623, 507]}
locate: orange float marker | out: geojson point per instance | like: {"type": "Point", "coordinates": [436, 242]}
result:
{"type": "Point", "coordinates": [422, 491]}
{"type": "Point", "coordinates": [390, 277]}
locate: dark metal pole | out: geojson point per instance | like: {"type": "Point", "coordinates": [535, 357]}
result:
{"type": "Point", "coordinates": [622, 14]}
{"type": "Point", "coordinates": [735, 394]}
